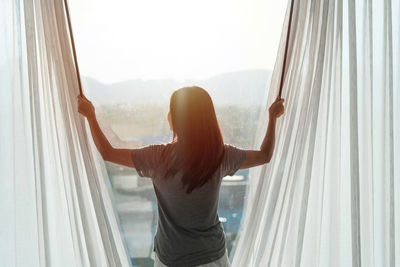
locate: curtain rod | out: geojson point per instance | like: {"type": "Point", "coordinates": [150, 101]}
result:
{"type": "Point", "coordinates": [78, 75]}
{"type": "Point", "coordinates": [286, 49]}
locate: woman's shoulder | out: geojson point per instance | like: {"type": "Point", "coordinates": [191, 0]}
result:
{"type": "Point", "coordinates": [161, 146]}
{"type": "Point", "coordinates": [149, 160]}
{"type": "Point", "coordinates": [232, 148]}
{"type": "Point", "coordinates": [233, 158]}
{"type": "Point", "coordinates": [165, 150]}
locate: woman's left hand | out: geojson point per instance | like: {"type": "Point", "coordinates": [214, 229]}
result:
{"type": "Point", "coordinates": [277, 108]}
{"type": "Point", "coordinates": [85, 107]}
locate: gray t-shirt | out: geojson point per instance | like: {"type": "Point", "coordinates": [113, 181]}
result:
{"type": "Point", "coordinates": [189, 232]}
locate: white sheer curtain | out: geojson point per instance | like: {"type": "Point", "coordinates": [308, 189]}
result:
{"type": "Point", "coordinates": [55, 209]}
{"type": "Point", "coordinates": [331, 194]}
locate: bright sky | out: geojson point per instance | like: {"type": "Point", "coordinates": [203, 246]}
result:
{"type": "Point", "coordinates": [180, 39]}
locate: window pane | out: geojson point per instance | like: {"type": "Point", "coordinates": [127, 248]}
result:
{"type": "Point", "coordinates": [134, 54]}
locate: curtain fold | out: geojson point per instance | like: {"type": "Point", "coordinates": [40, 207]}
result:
{"type": "Point", "coordinates": [330, 195]}
{"type": "Point", "coordinates": [54, 199]}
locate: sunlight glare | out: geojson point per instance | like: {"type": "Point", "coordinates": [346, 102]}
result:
{"type": "Point", "coordinates": [178, 39]}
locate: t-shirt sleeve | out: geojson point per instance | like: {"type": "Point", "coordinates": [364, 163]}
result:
{"type": "Point", "coordinates": [147, 160]}
{"type": "Point", "coordinates": [234, 157]}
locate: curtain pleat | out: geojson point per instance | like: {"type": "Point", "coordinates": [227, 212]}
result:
{"type": "Point", "coordinates": [354, 151]}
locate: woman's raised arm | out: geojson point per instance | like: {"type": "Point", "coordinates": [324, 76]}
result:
{"type": "Point", "coordinates": [264, 155]}
{"type": "Point", "coordinates": [108, 153]}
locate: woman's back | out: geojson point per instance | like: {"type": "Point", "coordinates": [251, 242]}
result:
{"type": "Point", "coordinates": [189, 231]}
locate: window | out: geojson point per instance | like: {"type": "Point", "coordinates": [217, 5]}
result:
{"type": "Point", "coordinates": [133, 54]}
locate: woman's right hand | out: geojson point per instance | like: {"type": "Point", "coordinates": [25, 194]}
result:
{"type": "Point", "coordinates": [277, 108]}
{"type": "Point", "coordinates": [85, 107]}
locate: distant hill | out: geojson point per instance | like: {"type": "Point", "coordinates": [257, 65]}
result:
{"type": "Point", "coordinates": [241, 87]}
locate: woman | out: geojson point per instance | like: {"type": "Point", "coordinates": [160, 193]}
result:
{"type": "Point", "coordinates": [186, 175]}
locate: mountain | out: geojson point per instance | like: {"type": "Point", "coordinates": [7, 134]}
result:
{"type": "Point", "coordinates": [240, 87]}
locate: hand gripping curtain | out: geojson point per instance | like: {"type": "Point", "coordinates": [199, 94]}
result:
{"type": "Point", "coordinates": [55, 208]}
{"type": "Point", "coordinates": [331, 194]}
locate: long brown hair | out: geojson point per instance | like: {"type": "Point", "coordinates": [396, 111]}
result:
{"type": "Point", "coordinates": [197, 136]}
